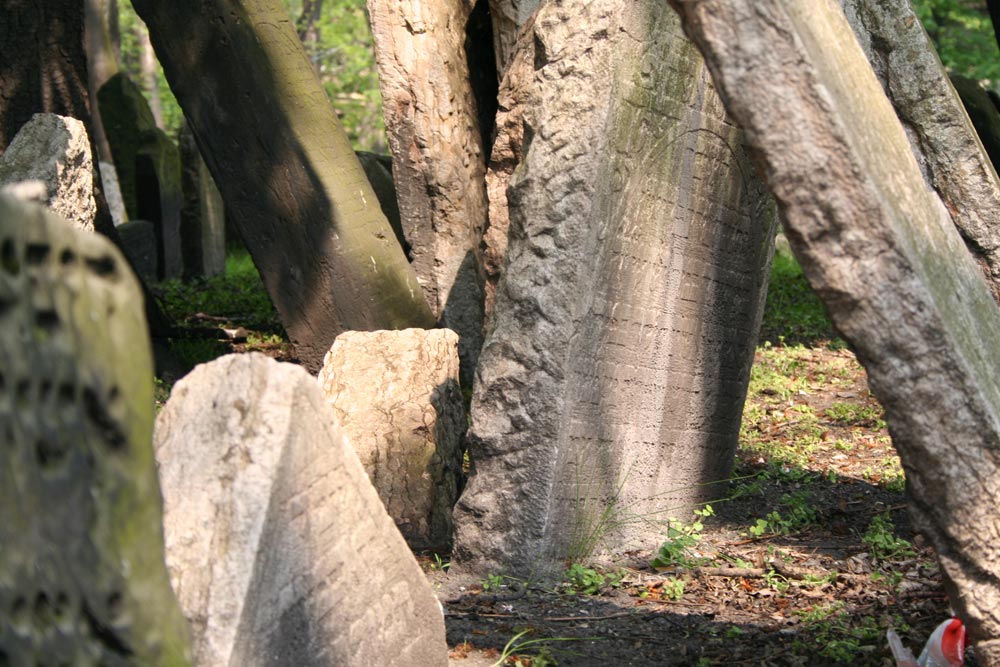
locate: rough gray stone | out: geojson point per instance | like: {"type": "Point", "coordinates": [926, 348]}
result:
{"type": "Point", "coordinates": [278, 547]}
{"type": "Point", "coordinates": [55, 151]}
{"type": "Point", "coordinates": [396, 396]}
{"type": "Point", "coordinates": [138, 239]}
{"type": "Point", "coordinates": [82, 576]}
{"type": "Point", "coordinates": [612, 382]}
{"type": "Point", "coordinates": [880, 249]}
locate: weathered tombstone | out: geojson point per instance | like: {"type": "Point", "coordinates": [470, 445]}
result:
{"type": "Point", "coordinates": [148, 166]}
{"type": "Point", "coordinates": [55, 150]}
{"type": "Point", "coordinates": [138, 242]}
{"type": "Point", "coordinates": [278, 547]}
{"type": "Point", "coordinates": [82, 576]}
{"type": "Point", "coordinates": [880, 249]}
{"type": "Point", "coordinates": [203, 220]}
{"type": "Point", "coordinates": [397, 398]}
{"type": "Point", "coordinates": [610, 389]}
{"type": "Point", "coordinates": [944, 142]}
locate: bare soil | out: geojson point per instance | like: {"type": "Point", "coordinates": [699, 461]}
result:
{"type": "Point", "coordinates": [809, 590]}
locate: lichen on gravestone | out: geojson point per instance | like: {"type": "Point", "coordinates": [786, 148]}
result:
{"type": "Point", "coordinates": [82, 575]}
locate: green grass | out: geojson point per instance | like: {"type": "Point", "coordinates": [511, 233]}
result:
{"type": "Point", "coordinates": [793, 313]}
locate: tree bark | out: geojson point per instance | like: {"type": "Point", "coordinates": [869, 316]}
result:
{"type": "Point", "coordinates": [147, 64]}
{"type": "Point", "coordinates": [880, 249]}
{"type": "Point", "coordinates": [508, 18]}
{"type": "Point", "coordinates": [286, 171]}
{"type": "Point", "coordinates": [438, 161]}
{"type": "Point", "coordinates": [101, 18]}
{"type": "Point", "coordinates": [609, 392]}
{"type": "Point", "coordinates": [945, 143]}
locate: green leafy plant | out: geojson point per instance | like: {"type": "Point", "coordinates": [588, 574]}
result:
{"type": "Point", "coordinates": [493, 582]}
{"type": "Point", "coordinates": [589, 581]}
{"type": "Point", "coordinates": [681, 538]}
{"type": "Point", "coordinates": [673, 588]}
{"type": "Point", "coordinates": [882, 541]}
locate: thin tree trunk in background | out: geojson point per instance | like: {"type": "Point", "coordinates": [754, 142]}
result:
{"type": "Point", "coordinates": [102, 43]}
{"type": "Point", "coordinates": [147, 63]}
{"type": "Point", "coordinates": [306, 26]}
{"type": "Point", "coordinates": [878, 246]}
{"type": "Point", "coordinates": [286, 170]}
{"type": "Point", "coordinates": [438, 159]}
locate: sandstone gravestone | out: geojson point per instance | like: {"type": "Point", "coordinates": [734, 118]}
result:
{"type": "Point", "coordinates": [880, 249]}
{"type": "Point", "coordinates": [113, 193]}
{"type": "Point", "coordinates": [612, 383]}
{"type": "Point", "coordinates": [278, 547]}
{"type": "Point", "coordinates": [203, 220]}
{"type": "Point", "coordinates": [396, 396]}
{"type": "Point", "coordinates": [82, 577]}
{"type": "Point", "coordinates": [55, 151]}
{"type": "Point", "coordinates": [148, 166]}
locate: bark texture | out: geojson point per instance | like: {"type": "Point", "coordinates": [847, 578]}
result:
{"type": "Point", "coordinates": [82, 577]}
{"type": "Point", "coordinates": [614, 375]}
{"type": "Point", "coordinates": [880, 249]}
{"type": "Point", "coordinates": [508, 16]}
{"type": "Point", "coordinates": [100, 34]}
{"type": "Point", "coordinates": [278, 546]}
{"type": "Point", "coordinates": [286, 171]}
{"type": "Point", "coordinates": [438, 161]}
{"type": "Point", "coordinates": [396, 396]}
{"type": "Point", "coordinates": [944, 141]}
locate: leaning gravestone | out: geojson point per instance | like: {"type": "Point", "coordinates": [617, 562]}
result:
{"type": "Point", "coordinates": [396, 396]}
{"type": "Point", "coordinates": [610, 390]}
{"type": "Point", "coordinates": [82, 577]}
{"type": "Point", "coordinates": [880, 249]}
{"type": "Point", "coordinates": [55, 151]}
{"type": "Point", "coordinates": [203, 219]}
{"type": "Point", "coordinates": [138, 241]}
{"type": "Point", "coordinates": [278, 547]}
{"type": "Point", "coordinates": [148, 166]}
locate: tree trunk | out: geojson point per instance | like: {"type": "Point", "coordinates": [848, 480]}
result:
{"type": "Point", "coordinates": [609, 393]}
{"type": "Point", "coordinates": [438, 162]}
{"type": "Point", "coordinates": [944, 141]}
{"type": "Point", "coordinates": [147, 64]}
{"type": "Point", "coordinates": [880, 249]}
{"type": "Point", "coordinates": [508, 18]}
{"type": "Point", "coordinates": [102, 61]}
{"type": "Point", "coordinates": [286, 170]}
{"type": "Point", "coordinates": [43, 67]}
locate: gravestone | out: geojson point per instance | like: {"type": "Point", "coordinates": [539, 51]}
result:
{"type": "Point", "coordinates": [82, 576]}
{"type": "Point", "coordinates": [138, 239]}
{"type": "Point", "coordinates": [203, 220]}
{"type": "Point", "coordinates": [113, 193]}
{"type": "Point", "coordinates": [397, 398]}
{"type": "Point", "coordinates": [279, 548]}
{"type": "Point", "coordinates": [609, 392]}
{"type": "Point", "coordinates": [880, 249]}
{"type": "Point", "coordinates": [148, 166]}
{"type": "Point", "coordinates": [55, 151]}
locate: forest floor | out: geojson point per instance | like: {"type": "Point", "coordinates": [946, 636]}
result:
{"type": "Point", "coordinates": [807, 560]}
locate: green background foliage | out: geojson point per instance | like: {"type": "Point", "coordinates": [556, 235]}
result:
{"type": "Point", "coordinates": [963, 35]}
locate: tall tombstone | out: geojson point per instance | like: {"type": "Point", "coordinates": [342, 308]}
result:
{"type": "Point", "coordinates": [148, 166]}
{"type": "Point", "coordinates": [203, 220]}
{"type": "Point", "coordinates": [55, 151]}
{"type": "Point", "coordinates": [82, 575]}
{"type": "Point", "coordinates": [610, 389]}
{"type": "Point", "coordinates": [279, 548]}
{"type": "Point", "coordinates": [944, 141]}
{"type": "Point", "coordinates": [397, 397]}
{"type": "Point", "coordinates": [881, 250]}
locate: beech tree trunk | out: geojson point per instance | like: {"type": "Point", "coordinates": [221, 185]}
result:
{"type": "Point", "coordinates": [286, 170]}
{"type": "Point", "coordinates": [438, 161]}
{"type": "Point", "coordinates": [880, 249]}
{"type": "Point", "coordinates": [100, 32]}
